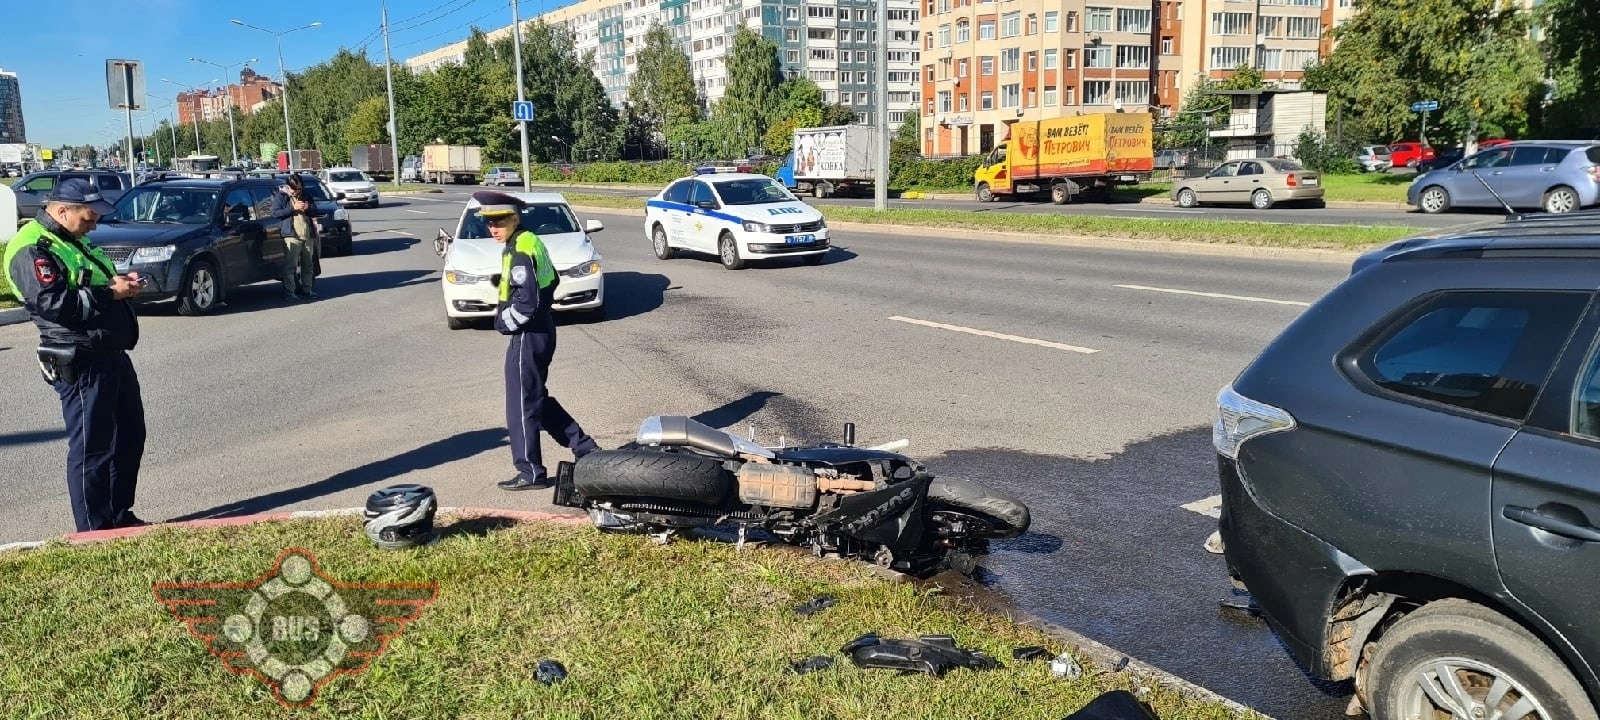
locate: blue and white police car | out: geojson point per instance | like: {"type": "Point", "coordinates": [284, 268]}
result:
{"type": "Point", "coordinates": [738, 217]}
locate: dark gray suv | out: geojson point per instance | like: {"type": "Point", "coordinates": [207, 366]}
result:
{"type": "Point", "coordinates": [1411, 476]}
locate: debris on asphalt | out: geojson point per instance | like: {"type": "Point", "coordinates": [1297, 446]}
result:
{"type": "Point", "coordinates": [1031, 652]}
{"type": "Point", "coordinates": [812, 664]}
{"type": "Point", "coordinates": [1066, 666]}
{"type": "Point", "coordinates": [550, 672]}
{"type": "Point", "coordinates": [1121, 664]}
{"type": "Point", "coordinates": [931, 654]}
{"type": "Point", "coordinates": [1241, 604]}
{"type": "Point", "coordinates": [816, 604]}
{"type": "Point", "coordinates": [1114, 705]}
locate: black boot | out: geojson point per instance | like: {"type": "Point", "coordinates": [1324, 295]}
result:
{"type": "Point", "coordinates": [523, 482]}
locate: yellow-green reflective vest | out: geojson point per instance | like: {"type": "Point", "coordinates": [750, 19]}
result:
{"type": "Point", "coordinates": [527, 243]}
{"type": "Point", "coordinates": [72, 260]}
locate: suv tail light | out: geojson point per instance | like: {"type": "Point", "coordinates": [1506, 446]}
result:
{"type": "Point", "coordinates": [1239, 418]}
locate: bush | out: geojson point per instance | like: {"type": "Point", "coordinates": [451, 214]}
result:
{"type": "Point", "coordinates": [1317, 152]}
{"type": "Point", "coordinates": [928, 173]}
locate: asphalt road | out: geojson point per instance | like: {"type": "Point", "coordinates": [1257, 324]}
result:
{"type": "Point", "coordinates": [1128, 207]}
{"type": "Point", "coordinates": [1091, 401]}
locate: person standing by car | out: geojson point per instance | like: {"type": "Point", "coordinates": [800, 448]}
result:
{"type": "Point", "coordinates": [74, 295]}
{"type": "Point", "coordinates": [527, 292]}
{"type": "Point", "coordinates": [294, 211]}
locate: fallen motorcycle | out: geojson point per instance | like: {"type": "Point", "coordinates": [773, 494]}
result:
{"type": "Point", "coordinates": [866, 503]}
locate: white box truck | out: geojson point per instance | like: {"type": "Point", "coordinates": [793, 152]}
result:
{"type": "Point", "coordinates": [831, 160]}
{"type": "Point", "coordinates": [451, 163]}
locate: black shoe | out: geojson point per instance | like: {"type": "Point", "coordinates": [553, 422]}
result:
{"type": "Point", "coordinates": [523, 482]}
{"type": "Point", "coordinates": [290, 296]}
{"type": "Point", "coordinates": [130, 520]}
{"type": "Point", "coordinates": [310, 295]}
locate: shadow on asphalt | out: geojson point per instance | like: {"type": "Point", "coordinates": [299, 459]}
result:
{"type": "Point", "coordinates": [1112, 554]}
{"type": "Point", "coordinates": [30, 437]}
{"type": "Point", "coordinates": [378, 246]}
{"type": "Point", "coordinates": [729, 414]}
{"type": "Point", "coordinates": [268, 295]}
{"type": "Point", "coordinates": [434, 454]}
{"type": "Point", "coordinates": [627, 294]}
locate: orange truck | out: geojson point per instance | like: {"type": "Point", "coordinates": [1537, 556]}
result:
{"type": "Point", "coordinates": [1067, 157]}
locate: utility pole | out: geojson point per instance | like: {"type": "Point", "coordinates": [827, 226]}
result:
{"type": "Point", "coordinates": [516, 44]}
{"type": "Point", "coordinates": [394, 121]}
{"type": "Point", "coordinates": [880, 185]}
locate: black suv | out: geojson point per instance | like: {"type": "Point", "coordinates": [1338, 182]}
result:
{"type": "Point", "coordinates": [1411, 476]}
{"type": "Point", "coordinates": [33, 188]}
{"type": "Point", "coordinates": [196, 238]}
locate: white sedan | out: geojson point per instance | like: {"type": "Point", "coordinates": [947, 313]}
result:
{"type": "Point", "coordinates": [471, 281]}
{"type": "Point", "coordinates": [736, 216]}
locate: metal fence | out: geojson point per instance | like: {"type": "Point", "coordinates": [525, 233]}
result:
{"type": "Point", "coordinates": [1196, 161]}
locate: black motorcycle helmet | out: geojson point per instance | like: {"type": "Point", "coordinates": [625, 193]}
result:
{"type": "Point", "coordinates": [401, 516]}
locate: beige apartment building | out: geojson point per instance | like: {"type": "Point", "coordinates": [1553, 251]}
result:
{"type": "Point", "coordinates": [990, 62]}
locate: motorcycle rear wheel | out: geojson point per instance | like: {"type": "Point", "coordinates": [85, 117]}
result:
{"type": "Point", "coordinates": [1008, 516]}
{"type": "Point", "coordinates": [684, 477]}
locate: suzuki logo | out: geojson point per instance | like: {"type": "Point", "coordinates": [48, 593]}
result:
{"type": "Point", "coordinates": [878, 514]}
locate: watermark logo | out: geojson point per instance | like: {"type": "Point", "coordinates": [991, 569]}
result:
{"type": "Point", "coordinates": [294, 627]}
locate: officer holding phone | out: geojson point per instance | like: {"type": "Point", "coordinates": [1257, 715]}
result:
{"type": "Point", "coordinates": [80, 303]}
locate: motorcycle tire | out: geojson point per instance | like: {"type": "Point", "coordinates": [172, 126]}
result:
{"type": "Point", "coordinates": [1007, 515]}
{"type": "Point", "coordinates": [652, 474]}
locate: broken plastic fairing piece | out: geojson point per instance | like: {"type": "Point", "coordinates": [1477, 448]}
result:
{"type": "Point", "coordinates": [931, 654]}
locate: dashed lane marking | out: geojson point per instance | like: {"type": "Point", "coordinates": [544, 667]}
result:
{"type": "Point", "coordinates": [995, 335]}
{"type": "Point", "coordinates": [1222, 296]}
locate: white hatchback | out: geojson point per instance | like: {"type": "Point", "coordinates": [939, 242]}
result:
{"type": "Point", "coordinates": [737, 217]}
{"type": "Point", "coordinates": [471, 281]}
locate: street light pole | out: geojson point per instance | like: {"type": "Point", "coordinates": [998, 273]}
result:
{"type": "Point", "coordinates": [232, 133]}
{"type": "Point", "coordinates": [288, 135]}
{"type": "Point", "coordinates": [568, 146]}
{"type": "Point", "coordinates": [394, 120]}
{"type": "Point", "coordinates": [516, 44]}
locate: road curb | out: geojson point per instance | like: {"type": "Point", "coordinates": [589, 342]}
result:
{"type": "Point", "coordinates": [980, 598]}
{"type": "Point", "coordinates": [13, 316]}
{"type": "Point", "coordinates": [1166, 246]}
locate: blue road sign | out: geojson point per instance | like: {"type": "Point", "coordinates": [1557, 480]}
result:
{"type": "Point", "coordinates": [1425, 105]}
{"type": "Point", "coordinates": [522, 110]}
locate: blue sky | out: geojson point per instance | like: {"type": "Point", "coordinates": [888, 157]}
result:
{"type": "Point", "coordinates": [59, 48]}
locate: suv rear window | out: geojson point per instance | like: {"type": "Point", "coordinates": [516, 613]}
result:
{"type": "Point", "coordinates": [1479, 351]}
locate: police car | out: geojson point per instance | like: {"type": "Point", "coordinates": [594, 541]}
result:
{"type": "Point", "coordinates": [738, 217]}
{"type": "Point", "coordinates": [471, 281]}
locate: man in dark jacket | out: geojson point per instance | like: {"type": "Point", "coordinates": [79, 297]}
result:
{"type": "Point", "coordinates": [74, 295]}
{"type": "Point", "coordinates": [295, 213]}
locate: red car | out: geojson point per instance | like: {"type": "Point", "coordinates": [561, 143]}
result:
{"type": "Point", "coordinates": [1409, 154]}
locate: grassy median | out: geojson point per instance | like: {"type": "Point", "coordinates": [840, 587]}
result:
{"type": "Point", "coordinates": [1226, 232]}
{"type": "Point", "coordinates": [689, 629]}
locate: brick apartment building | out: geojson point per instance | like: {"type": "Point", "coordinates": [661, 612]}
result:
{"type": "Point", "coordinates": [212, 103]}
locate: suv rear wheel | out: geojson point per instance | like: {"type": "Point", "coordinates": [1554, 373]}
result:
{"type": "Point", "coordinates": [1458, 660]}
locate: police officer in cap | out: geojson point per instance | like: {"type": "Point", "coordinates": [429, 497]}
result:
{"type": "Point", "coordinates": [86, 327]}
{"type": "Point", "coordinates": [527, 291]}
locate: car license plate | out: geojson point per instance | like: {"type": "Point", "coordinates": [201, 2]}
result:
{"type": "Point", "coordinates": [1312, 181]}
{"type": "Point", "coordinates": [1127, 178]}
{"type": "Point", "coordinates": [800, 239]}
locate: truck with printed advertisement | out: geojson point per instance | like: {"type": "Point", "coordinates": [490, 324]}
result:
{"type": "Point", "coordinates": [451, 163]}
{"type": "Point", "coordinates": [1078, 156]}
{"type": "Point", "coordinates": [831, 160]}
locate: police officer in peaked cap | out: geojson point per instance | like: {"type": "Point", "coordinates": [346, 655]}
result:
{"type": "Point", "coordinates": [527, 292]}
{"type": "Point", "coordinates": [86, 322]}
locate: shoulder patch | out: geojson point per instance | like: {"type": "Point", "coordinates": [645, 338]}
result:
{"type": "Point", "coordinates": [519, 274]}
{"type": "Point", "coordinates": [45, 270]}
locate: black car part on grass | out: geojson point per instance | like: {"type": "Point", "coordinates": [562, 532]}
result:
{"type": "Point", "coordinates": [1114, 705]}
{"type": "Point", "coordinates": [931, 654]}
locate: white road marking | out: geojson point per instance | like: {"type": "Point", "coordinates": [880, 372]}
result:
{"type": "Point", "coordinates": [1159, 210]}
{"type": "Point", "coordinates": [1245, 298]}
{"type": "Point", "coordinates": [1210, 507]}
{"type": "Point", "coordinates": [419, 212]}
{"type": "Point", "coordinates": [995, 335]}
{"type": "Point", "coordinates": [402, 232]}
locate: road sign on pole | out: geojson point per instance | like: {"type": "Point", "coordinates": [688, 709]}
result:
{"type": "Point", "coordinates": [1425, 106]}
{"type": "Point", "coordinates": [522, 110]}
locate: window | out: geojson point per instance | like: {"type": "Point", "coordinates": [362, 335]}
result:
{"type": "Point", "coordinates": [963, 31]}
{"type": "Point", "coordinates": [986, 100]}
{"type": "Point", "coordinates": [1133, 56]}
{"type": "Point", "coordinates": [986, 65]}
{"type": "Point", "coordinates": [1133, 91]}
{"type": "Point", "coordinates": [678, 192]}
{"type": "Point", "coordinates": [1050, 58]}
{"type": "Point", "coordinates": [961, 105]}
{"type": "Point", "coordinates": [1133, 20]}
{"type": "Point", "coordinates": [791, 35]}
{"type": "Point", "coordinates": [961, 68]}
{"type": "Point", "coordinates": [1049, 95]}
{"type": "Point", "coordinates": [1011, 95]}
{"type": "Point", "coordinates": [1052, 21]}
{"type": "Point", "coordinates": [1269, 59]}
{"type": "Point", "coordinates": [1270, 26]}
{"type": "Point", "coordinates": [944, 101]}
{"type": "Point", "coordinates": [1033, 61]}
{"type": "Point", "coordinates": [545, 219]}
{"type": "Point", "coordinates": [944, 36]}
{"type": "Point", "coordinates": [1033, 25]}
{"type": "Point", "coordinates": [240, 204]}
{"type": "Point", "coordinates": [1228, 58]}
{"type": "Point", "coordinates": [1099, 19]}
{"type": "Point", "coordinates": [1097, 57]}
{"type": "Point", "coordinates": [1166, 46]}
{"type": "Point", "coordinates": [985, 29]}
{"type": "Point", "coordinates": [1097, 92]}
{"type": "Point", "coordinates": [1072, 21]}
{"type": "Point", "coordinates": [1537, 156]}
{"type": "Point", "coordinates": [1072, 59]}
{"type": "Point", "coordinates": [1308, 28]}
{"type": "Point", "coordinates": [1010, 25]}
{"type": "Point", "coordinates": [818, 33]}
{"type": "Point", "coordinates": [262, 196]}
{"type": "Point", "coordinates": [1230, 23]}
{"type": "Point", "coordinates": [109, 182]}
{"type": "Point", "coordinates": [1010, 60]}
{"type": "Point", "coordinates": [1497, 157]}
{"type": "Point", "coordinates": [1485, 352]}
{"type": "Point", "coordinates": [819, 11]}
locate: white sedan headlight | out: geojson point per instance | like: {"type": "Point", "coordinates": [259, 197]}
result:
{"type": "Point", "coordinates": [456, 277]}
{"type": "Point", "coordinates": [582, 269]}
{"type": "Point", "coordinates": [755, 227]}
{"type": "Point", "coordinates": [153, 254]}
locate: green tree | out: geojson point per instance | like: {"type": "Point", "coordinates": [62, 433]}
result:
{"type": "Point", "coordinates": [838, 114]}
{"type": "Point", "coordinates": [1573, 51]}
{"type": "Point", "coordinates": [1203, 108]}
{"type": "Point", "coordinates": [754, 77]}
{"type": "Point", "coordinates": [323, 97]}
{"type": "Point", "coordinates": [663, 93]}
{"type": "Point", "coordinates": [369, 122]}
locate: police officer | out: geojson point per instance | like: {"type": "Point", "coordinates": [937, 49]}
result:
{"type": "Point", "coordinates": [527, 291]}
{"type": "Point", "coordinates": [86, 328]}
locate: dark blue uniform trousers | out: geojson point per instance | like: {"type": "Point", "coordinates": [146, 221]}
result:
{"type": "Point", "coordinates": [104, 416]}
{"type": "Point", "coordinates": [529, 407]}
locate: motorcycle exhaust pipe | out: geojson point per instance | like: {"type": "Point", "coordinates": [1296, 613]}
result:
{"type": "Point", "coordinates": [680, 431]}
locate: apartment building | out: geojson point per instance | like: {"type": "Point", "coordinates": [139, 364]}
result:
{"type": "Point", "coordinates": [251, 92]}
{"type": "Point", "coordinates": [12, 129]}
{"type": "Point", "coordinates": [832, 42]}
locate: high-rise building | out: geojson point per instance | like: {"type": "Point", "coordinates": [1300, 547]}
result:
{"type": "Point", "coordinates": [832, 42]}
{"type": "Point", "coordinates": [12, 128]}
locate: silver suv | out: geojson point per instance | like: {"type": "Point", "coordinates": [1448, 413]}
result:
{"type": "Point", "coordinates": [1557, 176]}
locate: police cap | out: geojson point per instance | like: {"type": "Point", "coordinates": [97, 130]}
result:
{"type": "Point", "coordinates": [78, 191]}
{"type": "Point", "coordinates": [497, 204]}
